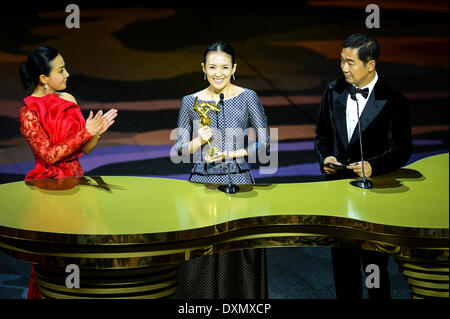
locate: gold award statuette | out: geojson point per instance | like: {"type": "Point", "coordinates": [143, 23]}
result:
{"type": "Point", "coordinates": [202, 109]}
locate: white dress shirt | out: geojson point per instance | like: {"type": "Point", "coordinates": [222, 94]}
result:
{"type": "Point", "coordinates": [351, 110]}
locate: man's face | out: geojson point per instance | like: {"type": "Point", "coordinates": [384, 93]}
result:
{"type": "Point", "coordinates": [355, 71]}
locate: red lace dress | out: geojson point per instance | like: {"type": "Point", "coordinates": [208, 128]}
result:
{"type": "Point", "coordinates": [55, 130]}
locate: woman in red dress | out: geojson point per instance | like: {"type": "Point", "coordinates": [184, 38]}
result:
{"type": "Point", "coordinates": [53, 125]}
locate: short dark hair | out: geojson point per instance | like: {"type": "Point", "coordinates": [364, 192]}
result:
{"type": "Point", "coordinates": [38, 62]}
{"type": "Point", "coordinates": [367, 46]}
{"type": "Point", "coordinates": [220, 46]}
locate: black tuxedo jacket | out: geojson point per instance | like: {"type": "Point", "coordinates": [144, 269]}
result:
{"type": "Point", "coordinates": [385, 126]}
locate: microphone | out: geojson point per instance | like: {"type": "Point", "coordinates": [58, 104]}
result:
{"type": "Point", "coordinates": [229, 188]}
{"type": "Point", "coordinates": [364, 182]}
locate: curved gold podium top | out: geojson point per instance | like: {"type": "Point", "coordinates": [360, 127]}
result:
{"type": "Point", "coordinates": [411, 201]}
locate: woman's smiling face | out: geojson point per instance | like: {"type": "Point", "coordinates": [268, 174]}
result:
{"type": "Point", "coordinates": [218, 69]}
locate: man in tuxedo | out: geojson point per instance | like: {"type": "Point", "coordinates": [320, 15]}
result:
{"type": "Point", "coordinates": [387, 145]}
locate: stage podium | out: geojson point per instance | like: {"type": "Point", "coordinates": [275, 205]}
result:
{"type": "Point", "coordinates": [128, 235]}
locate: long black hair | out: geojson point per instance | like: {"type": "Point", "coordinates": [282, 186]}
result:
{"type": "Point", "coordinates": [220, 46]}
{"type": "Point", "coordinates": [38, 62]}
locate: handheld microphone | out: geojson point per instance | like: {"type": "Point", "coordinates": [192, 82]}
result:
{"type": "Point", "coordinates": [229, 188]}
{"type": "Point", "coordinates": [364, 182]}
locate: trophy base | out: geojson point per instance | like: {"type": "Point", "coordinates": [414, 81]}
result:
{"type": "Point", "coordinates": [213, 152]}
{"type": "Point", "coordinates": [229, 189]}
{"type": "Point", "coordinates": [362, 183]}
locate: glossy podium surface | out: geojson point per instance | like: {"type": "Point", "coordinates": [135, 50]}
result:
{"type": "Point", "coordinates": [114, 222]}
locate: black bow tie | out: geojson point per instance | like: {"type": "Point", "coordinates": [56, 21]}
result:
{"type": "Point", "coordinates": [364, 92]}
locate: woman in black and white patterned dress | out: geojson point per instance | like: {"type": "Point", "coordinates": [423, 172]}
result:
{"type": "Point", "coordinates": [236, 274]}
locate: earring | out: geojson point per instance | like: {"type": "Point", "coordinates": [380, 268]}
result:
{"type": "Point", "coordinates": [234, 79]}
{"type": "Point", "coordinates": [45, 86]}
{"type": "Point", "coordinates": [204, 76]}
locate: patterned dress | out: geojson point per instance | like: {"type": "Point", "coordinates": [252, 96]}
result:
{"type": "Point", "coordinates": [236, 274]}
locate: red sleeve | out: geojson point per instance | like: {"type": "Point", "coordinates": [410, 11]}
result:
{"type": "Point", "coordinates": [40, 144]}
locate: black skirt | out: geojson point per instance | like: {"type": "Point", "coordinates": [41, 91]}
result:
{"type": "Point", "coordinates": [239, 274]}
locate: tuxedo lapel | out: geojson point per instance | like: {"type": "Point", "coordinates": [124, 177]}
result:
{"type": "Point", "coordinates": [374, 105]}
{"type": "Point", "coordinates": [340, 106]}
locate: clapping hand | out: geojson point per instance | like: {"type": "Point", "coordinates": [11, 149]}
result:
{"type": "Point", "coordinates": [99, 124]}
{"type": "Point", "coordinates": [108, 120]}
{"type": "Point", "coordinates": [94, 123]}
